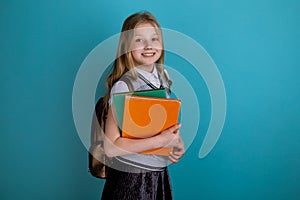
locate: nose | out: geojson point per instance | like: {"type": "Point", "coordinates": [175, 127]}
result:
{"type": "Point", "coordinates": [147, 44]}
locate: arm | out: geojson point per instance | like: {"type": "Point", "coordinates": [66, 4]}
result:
{"type": "Point", "coordinates": [116, 146]}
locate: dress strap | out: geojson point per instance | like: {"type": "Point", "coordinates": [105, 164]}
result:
{"type": "Point", "coordinates": [149, 83]}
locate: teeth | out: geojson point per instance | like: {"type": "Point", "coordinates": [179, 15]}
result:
{"type": "Point", "coordinates": [148, 54]}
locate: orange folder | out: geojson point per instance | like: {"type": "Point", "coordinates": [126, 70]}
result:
{"type": "Point", "coordinates": [148, 116]}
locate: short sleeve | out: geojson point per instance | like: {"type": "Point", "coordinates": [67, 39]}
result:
{"type": "Point", "coordinates": [118, 87]}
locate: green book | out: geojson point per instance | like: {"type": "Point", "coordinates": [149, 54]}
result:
{"type": "Point", "coordinates": [119, 100]}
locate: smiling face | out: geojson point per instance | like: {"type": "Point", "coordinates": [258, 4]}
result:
{"type": "Point", "coordinates": [146, 46]}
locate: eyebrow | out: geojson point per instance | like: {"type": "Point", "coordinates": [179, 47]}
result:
{"type": "Point", "coordinates": [142, 35]}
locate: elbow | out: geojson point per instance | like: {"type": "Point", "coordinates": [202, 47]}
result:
{"type": "Point", "coordinates": [112, 149]}
{"type": "Point", "coordinates": [109, 152]}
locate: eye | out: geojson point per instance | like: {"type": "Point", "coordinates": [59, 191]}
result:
{"type": "Point", "coordinates": [155, 39]}
{"type": "Point", "coordinates": [138, 40]}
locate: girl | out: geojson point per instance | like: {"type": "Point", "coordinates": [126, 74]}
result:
{"type": "Point", "coordinates": [138, 66]}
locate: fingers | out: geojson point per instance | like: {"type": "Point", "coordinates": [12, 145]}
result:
{"type": "Point", "coordinates": [174, 128]}
{"type": "Point", "coordinates": [170, 137]}
{"type": "Point", "coordinates": [177, 153]}
{"type": "Point", "coordinates": [179, 145]}
{"type": "Point", "coordinates": [175, 157]}
{"type": "Point", "coordinates": [174, 140]}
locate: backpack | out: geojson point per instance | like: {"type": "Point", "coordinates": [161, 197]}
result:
{"type": "Point", "coordinates": [98, 161]}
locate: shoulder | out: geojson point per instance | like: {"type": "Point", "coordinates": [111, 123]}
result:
{"type": "Point", "coordinates": [118, 87]}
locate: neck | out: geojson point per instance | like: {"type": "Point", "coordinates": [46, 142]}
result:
{"type": "Point", "coordinates": [147, 68]}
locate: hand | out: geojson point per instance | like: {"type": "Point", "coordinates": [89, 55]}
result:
{"type": "Point", "coordinates": [170, 137]}
{"type": "Point", "coordinates": [178, 152]}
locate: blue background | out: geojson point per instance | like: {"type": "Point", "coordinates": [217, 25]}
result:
{"type": "Point", "coordinates": [255, 45]}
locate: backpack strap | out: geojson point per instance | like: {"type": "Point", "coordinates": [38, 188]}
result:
{"type": "Point", "coordinates": [98, 123]}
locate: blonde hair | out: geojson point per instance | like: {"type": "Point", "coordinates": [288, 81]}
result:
{"type": "Point", "coordinates": [124, 60]}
